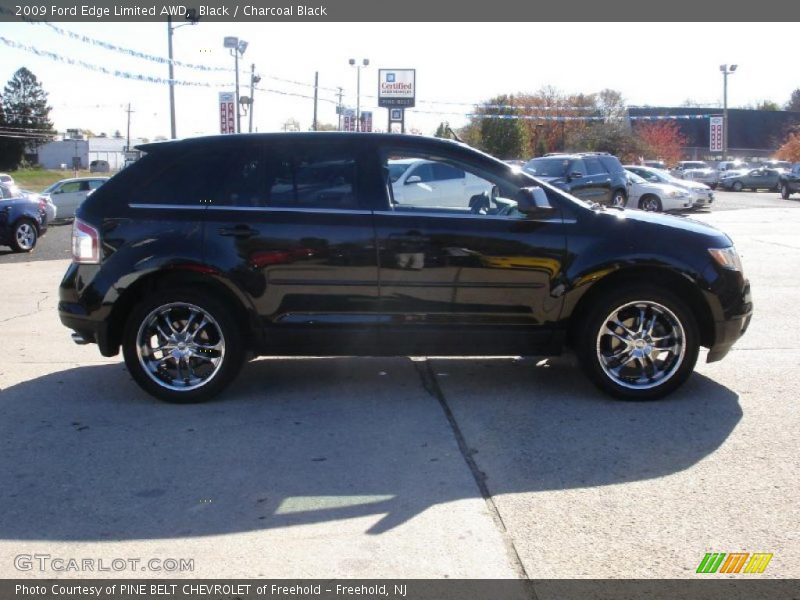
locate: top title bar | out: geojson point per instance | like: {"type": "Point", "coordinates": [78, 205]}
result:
{"type": "Point", "coordinates": [408, 10]}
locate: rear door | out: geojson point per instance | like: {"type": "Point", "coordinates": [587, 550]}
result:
{"type": "Point", "coordinates": [598, 181]}
{"type": "Point", "coordinates": [290, 229]}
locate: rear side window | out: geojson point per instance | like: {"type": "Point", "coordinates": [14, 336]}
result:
{"type": "Point", "coordinates": [593, 166]}
{"type": "Point", "coordinates": [311, 176]}
{"type": "Point", "coordinates": [188, 180]}
{"type": "Point", "coordinates": [612, 164]}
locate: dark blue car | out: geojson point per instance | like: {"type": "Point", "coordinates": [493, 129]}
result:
{"type": "Point", "coordinates": [23, 220]}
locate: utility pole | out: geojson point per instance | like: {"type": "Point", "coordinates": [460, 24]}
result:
{"type": "Point", "coordinates": [171, 80]}
{"type": "Point", "coordinates": [254, 79]}
{"type": "Point", "coordinates": [339, 108]}
{"type": "Point", "coordinates": [316, 89]}
{"type": "Point", "coordinates": [129, 111]}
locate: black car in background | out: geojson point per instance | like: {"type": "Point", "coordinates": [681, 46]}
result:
{"type": "Point", "coordinates": [23, 219]}
{"type": "Point", "coordinates": [789, 182]}
{"type": "Point", "coordinates": [591, 176]}
{"type": "Point", "coordinates": [208, 250]}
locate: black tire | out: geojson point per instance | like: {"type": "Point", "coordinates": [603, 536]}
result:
{"type": "Point", "coordinates": [619, 198]}
{"type": "Point", "coordinates": [650, 203]}
{"type": "Point", "coordinates": [737, 186]}
{"type": "Point", "coordinates": [222, 322]}
{"type": "Point", "coordinates": [785, 193]}
{"type": "Point", "coordinates": [24, 230]}
{"type": "Point", "coordinates": [591, 348]}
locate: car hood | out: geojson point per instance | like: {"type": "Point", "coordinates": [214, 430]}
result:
{"type": "Point", "coordinates": [691, 185]}
{"type": "Point", "coordinates": [657, 188]}
{"type": "Point", "coordinates": [646, 220]}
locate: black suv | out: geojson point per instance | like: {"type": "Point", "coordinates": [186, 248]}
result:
{"type": "Point", "coordinates": [209, 250]}
{"type": "Point", "coordinates": [591, 176]}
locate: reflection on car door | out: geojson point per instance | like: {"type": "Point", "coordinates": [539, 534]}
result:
{"type": "Point", "coordinates": [488, 277]}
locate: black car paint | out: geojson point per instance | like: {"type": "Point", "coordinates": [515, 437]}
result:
{"type": "Point", "coordinates": [317, 282]}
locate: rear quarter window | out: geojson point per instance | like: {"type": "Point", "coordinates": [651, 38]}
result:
{"type": "Point", "coordinates": [612, 164]}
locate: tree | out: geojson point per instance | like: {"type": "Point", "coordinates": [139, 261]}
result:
{"type": "Point", "coordinates": [791, 149]}
{"type": "Point", "coordinates": [327, 127]}
{"type": "Point", "coordinates": [662, 140]}
{"type": "Point", "coordinates": [767, 105]}
{"type": "Point", "coordinates": [24, 104]}
{"type": "Point", "coordinates": [794, 101]}
{"type": "Point", "coordinates": [501, 137]}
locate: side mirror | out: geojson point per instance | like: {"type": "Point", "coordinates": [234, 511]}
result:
{"type": "Point", "coordinates": [413, 179]}
{"type": "Point", "coordinates": [532, 199]}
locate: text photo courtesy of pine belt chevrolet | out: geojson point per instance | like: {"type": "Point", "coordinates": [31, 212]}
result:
{"type": "Point", "coordinates": [209, 250]}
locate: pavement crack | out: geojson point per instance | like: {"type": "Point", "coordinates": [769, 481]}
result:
{"type": "Point", "coordinates": [431, 385]}
{"type": "Point", "coordinates": [28, 314]}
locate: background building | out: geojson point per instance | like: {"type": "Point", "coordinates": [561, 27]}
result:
{"type": "Point", "coordinates": [56, 154]}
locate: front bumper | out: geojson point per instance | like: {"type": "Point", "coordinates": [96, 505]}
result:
{"type": "Point", "coordinates": [727, 332]}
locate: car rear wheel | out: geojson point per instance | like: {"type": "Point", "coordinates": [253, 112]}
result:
{"type": "Point", "coordinates": [618, 199]}
{"type": "Point", "coordinates": [650, 204]}
{"type": "Point", "coordinates": [737, 186]}
{"type": "Point", "coordinates": [182, 346]}
{"type": "Point", "coordinates": [24, 236]}
{"type": "Point", "coordinates": [640, 343]}
{"type": "Point", "coordinates": [785, 191]}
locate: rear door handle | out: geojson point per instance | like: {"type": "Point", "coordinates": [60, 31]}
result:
{"type": "Point", "coordinates": [240, 231]}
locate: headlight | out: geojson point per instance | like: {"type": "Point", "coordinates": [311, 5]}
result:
{"type": "Point", "coordinates": [727, 258]}
{"type": "Point", "coordinates": [678, 194]}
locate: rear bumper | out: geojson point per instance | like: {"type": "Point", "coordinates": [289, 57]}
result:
{"type": "Point", "coordinates": [74, 317]}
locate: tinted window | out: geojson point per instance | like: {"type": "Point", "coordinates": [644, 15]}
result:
{"type": "Point", "coordinates": [443, 172]}
{"type": "Point", "coordinates": [547, 167]}
{"type": "Point", "coordinates": [96, 183]}
{"type": "Point", "coordinates": [311, 177]}
{"type": "Point", "coordinates": [593, 166]}
{"type": "Point", "coordinates": [611, 164]}
{"type": "Point", "coordinates": [189, 179]}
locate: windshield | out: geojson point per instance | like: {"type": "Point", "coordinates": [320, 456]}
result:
{"type": "Point", "coordinates": [396, 170]}
{"type": "Point", "coordinates": [547, 167]}
{"type": "Point", "coordinates": [635, 178]}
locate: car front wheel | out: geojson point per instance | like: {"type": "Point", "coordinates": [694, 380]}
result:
{"type": "Point", "coordinates": [737, 186]}
{"type": "Point", "coordinates": [182, 346]}
{"type": "Point", "coordinates": [24, 236]}
{"type": "Point", "coordinates": [638, 344]}
{"type": "Point", "coordinates": [650, 204]}
{"type": "Point", "coordinates": [785, 191]}
{"type": "Point", "coordinates": [619, 199]}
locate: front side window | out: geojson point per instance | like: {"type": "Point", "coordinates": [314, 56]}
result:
{"type": "Point", "coordinates": [439, 184]}
{"type": "Point", "coordinates": [70, 187]}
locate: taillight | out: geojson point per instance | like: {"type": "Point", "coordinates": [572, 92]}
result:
{"type": "Point", "coordinates": [85, 243]}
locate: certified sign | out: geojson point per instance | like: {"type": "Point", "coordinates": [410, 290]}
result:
{"type": "Point", "coordinates": [396, 87]}
{"type": "Point", "coordinates": [227, 112]}
{"type": "Point", "coordinates": [715, 134]}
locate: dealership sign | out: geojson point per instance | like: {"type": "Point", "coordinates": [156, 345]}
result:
{"type": "Point", "coordinates": [227, 112]}
{"type": "Point", "coordinates": [715, 134]}
{"type": "Point", "coordinates": [396, 88]}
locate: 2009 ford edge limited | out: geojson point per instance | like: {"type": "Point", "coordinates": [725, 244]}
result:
{"type": "Point", "coordinates": [210, 250]}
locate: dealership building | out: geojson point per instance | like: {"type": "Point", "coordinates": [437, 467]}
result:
{"type": "Point", "coordinates": [751, 133]}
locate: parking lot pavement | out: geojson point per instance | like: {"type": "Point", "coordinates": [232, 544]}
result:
{"type": "Point", "coordinates": [379, 467]}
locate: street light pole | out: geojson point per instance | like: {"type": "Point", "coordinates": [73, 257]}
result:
{"type": "Point", "coordinates": [254, 79]}
{"type": "Point", "coordinates": [725, 72]}
{"type": "Point", "coordinates": [192, 18]}
{"type": "Point", "coordinates": [353, 63]}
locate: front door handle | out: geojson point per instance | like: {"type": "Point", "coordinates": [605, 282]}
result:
{"type": "Point", "coordinates": [239, 231]}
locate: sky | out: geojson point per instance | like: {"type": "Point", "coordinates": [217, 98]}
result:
{"type": "Point", "coordinates": [657, 64]}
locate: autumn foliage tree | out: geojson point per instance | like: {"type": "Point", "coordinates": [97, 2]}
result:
{"type": "Point", "coordinates": [661, 140]}
{"type": "Point", "coordinates": [790, 149]}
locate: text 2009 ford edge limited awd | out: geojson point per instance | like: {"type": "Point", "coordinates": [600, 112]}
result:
{"type": "Point", "coordinates": [212, 249]}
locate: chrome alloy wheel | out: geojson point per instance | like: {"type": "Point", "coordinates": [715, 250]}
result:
{"type": "Point", "coordinates": [25, 235]}
{"type": "Point", "coordinates": [180, 346]}
{"type": "Point", "coordinates": [641, 345]}
{"type": "Point", "coordinates": [650, 204]}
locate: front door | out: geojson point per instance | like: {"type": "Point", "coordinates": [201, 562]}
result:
{"type": "Point", "coordinates": [472, 276]}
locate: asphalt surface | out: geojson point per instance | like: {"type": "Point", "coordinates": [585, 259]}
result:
{"type": "Point", "coordinates": [56, 243]}
{"type": "Point", "coordinates": [425, 467]}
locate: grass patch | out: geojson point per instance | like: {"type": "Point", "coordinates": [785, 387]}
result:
{"type": "Point", "coordinates": [36, 180]}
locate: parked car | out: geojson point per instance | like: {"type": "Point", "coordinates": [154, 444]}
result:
{"type": "Point", "coordinates": [702, 195]}
{"type": "Point", "coordinates": [656, 197]}
{"type": "Point", "coordinates": [6, 179]}
{"type": "Point", "coordinates": [751, 179]}
{"type": "Point", "coordinates": [99, 166]}
{"type": "Point", "coordinates": [68, 194]}
{"type": "Point", "coordinates": [418, 182]}
{"type": "Point", "coordinates": [731, 165]}
{"type": "Point", "coordinates": [590, 176]}
{"type": "Point", "coordinates": [789, 182]}
{"type": "Point", "coordinates": [697, 170]}
{"type": "Point", "coordinates": [777, 164]}
{"type": "Point", "coordinates": [655, 164]}
{"type": "Point", "coordinates": [199, 254]}
{"type": "Point", "coordinates": [50, 208]}
{"type": "Point", "coordinates": [22, 219]}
